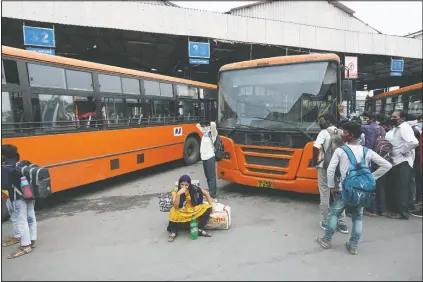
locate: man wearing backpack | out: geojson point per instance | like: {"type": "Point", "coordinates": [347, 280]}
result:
{"type": "Point", "coordinates": [372, 132]}
{"type": "Point", "coordinates": [353, 161]}
{"type": "Point", "coordinates": [404, 142]}
{"type": "Point", "coordinates": [323, 148]}
{"type": "Point", "coordinates": [208, 155]}
{"type": "Point", "coordinates": [26, 221]}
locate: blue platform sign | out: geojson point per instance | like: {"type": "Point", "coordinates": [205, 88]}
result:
{"type": "Point", "coordinates": [397, 65]}
{"type": "Point", "coordinates": [396, 73]}
{"type": "Point", "coordinates": [198, 50]}
{"type": "Point", "coordinates": [47, 51]}
{"type": "Point", "coordinates": [198, 61]}
{"type": "Point", "coordinates": [39, 36]}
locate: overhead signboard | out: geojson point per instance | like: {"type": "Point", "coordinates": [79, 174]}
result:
{"type": "Point", "coordinates": [39, 36]}
{"type": "Point", "coordinates": [397, 65]}
{"type": "Point", "coordinates": [198, 50]}
{"type": "Point", "coordinates": [198, 61]}
{"type": "Point", "coordinates": [47, 51]}
{"type": "Point", "coordinates": [396, 73]}
{"type": "Point", "coordinates": [351, 70]}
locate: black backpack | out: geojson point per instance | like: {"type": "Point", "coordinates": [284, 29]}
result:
{"type": "Point", "coordinates": [197, 195]}
{"type": "Point", "coordinates": [38, 178]}
{"type": "Point", "coordinates": [219, 148]}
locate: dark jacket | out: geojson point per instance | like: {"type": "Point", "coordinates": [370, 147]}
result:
{"type": "Point", "coordinates": [10, 177]}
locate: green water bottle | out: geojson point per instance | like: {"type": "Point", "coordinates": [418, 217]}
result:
{"type": "Point", "coordinates": [193, 228]}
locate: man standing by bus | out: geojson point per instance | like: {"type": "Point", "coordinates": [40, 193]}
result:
{"type": "Point", "coordinates": [327, 123]}
{"type": "Point", "coordinates": [372, 131]}
{"type": "Point", "coordinates": [404, 142]}
{"type": "Point", "coordinates": [208, 155]}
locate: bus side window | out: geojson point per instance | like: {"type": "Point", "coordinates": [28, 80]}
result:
{"type": "Point", "coordinates": [11, 110]}
{"type": "Point", "coordinates": [114, 112]}
{"type": "Point", "coordinates": [9, 72]}
{"type": "Point", "coordinates": [54, 111]}
{"type": "Point", "coordinates": [160, 111]}
{"type": "Point", "coordinates": [134, 111]}
{"type": "Point", "coordinates": [85, 110]}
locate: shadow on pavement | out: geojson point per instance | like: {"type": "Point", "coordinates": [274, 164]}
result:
{"type": "Point", "coordinates": [61, 197]}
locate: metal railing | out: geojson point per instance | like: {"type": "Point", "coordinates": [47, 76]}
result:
{"type": "Point", "coordinates": [90, 124]}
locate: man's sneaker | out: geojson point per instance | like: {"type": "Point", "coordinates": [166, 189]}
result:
{"type": "Point", "coordinates": [342, 227]}
{"type": "Point", "coordinates": [323, 225]}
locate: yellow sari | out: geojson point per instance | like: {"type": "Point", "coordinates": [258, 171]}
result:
{"type": "Point", "coordinates": [185, 213]}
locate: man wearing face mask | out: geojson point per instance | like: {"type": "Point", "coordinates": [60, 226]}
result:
{"type": "Point", "coordinates": [323, 141]}
{"type": "Point", "coordinates": [208, 156]}
{"type": "Point", "coordinates": [404, 142]}
{"type": "Point", "coordinates": [372, 131]}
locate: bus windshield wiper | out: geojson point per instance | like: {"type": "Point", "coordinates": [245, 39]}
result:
{"type": "Point", "coordinates": [290, 123]}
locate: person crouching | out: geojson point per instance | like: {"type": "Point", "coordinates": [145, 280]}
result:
{"type": "Point", "coordinates": [188, 201]}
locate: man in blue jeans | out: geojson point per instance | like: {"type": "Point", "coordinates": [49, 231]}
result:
{"type": "Point", "coordinates": [352, 132]}
{"type": "Point", "coordinates": [23, 215]}
{"type": "Point", "coordinates": [208, 155]}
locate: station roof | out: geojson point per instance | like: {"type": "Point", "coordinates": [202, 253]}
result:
{"type": "Point", "coordinates": [337, 4]}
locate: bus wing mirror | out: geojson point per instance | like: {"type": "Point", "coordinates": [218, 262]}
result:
{"type": "Point", "coordinates": [346, 88]}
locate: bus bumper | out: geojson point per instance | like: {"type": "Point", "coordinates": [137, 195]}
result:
{"type": "Point", "coordinates": [300, 185]}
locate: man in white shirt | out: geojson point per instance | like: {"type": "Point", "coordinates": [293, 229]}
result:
{"type": "Point", "coordinates": [321, 145]}
{"type": "Point", "coordinates": [352, 132]}
{"type": "Point", "coordinates": [404, 142]}
{"type": "Point", "coordinates": [207, 155]}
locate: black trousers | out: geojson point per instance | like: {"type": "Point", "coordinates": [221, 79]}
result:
{"type": "Point", "coordinates": [418, 175]}
{"type": "Point", "coordinates": [401, 192]}
{"type": "Point", "coordinates": [380, 204]}
{"type": "Point", "coordinates": [174, 227]}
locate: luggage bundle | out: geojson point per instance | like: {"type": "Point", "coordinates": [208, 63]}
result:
{"type": "Point", "coordinates": [221, 218]}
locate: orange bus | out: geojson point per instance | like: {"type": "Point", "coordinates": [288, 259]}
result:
{"type": "Point", "coordinates": [407, 98]}
{"type": "Point", "coordinates": [88, 122]}
{"type": "Point", "coordinates": [267, 118]}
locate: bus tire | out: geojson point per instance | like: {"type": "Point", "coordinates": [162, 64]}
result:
{"type": "Point", "coordinates": [191, 151]}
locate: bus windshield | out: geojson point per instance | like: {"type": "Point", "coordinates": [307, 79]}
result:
{"type": "Point", "coordinates": [295, 93]}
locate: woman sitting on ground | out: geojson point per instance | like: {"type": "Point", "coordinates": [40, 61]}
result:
{"type": "Point", "coordinates": [188, 201]}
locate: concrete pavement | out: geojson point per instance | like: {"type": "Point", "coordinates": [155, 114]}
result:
{"type": "Point", "coordinates": [114, 230]}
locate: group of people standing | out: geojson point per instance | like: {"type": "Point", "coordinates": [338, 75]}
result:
{"type": "Point", "coordinates": [399, 192]}
{"type": "Point", "coordinates": [397, 176]}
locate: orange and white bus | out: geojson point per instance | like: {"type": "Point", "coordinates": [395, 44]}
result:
{"type": "Point", "coordinates": [267, 118]}
{"type": "Point", "coordinates": [88, 122]}
{"type": "Point", "coordinates": [407, 98]}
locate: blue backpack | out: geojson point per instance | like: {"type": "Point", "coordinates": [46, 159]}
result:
{"type": "Point", "coordinates": [359, 186]}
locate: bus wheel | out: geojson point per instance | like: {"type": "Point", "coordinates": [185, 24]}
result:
{"type": "Point", "coordinates": [191, 151]}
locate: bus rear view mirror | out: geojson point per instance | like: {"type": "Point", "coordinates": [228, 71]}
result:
{"type": "Point", "coordinates": [346, 88]}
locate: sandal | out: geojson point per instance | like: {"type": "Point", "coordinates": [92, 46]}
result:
{"type": "Point", "coordinates": [12, 241]}
{"type": "Point", "coordinates": [203, 233]}
{"type": "Point", "coordinates": [352, 251]}
{"type": "Point", "coordinates": [171, 237]}
{"type": "Point", "coordinates": [20, 252]}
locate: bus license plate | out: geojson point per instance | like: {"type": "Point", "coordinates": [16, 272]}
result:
{"type": "Point", "coordinates": [264, 184]}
